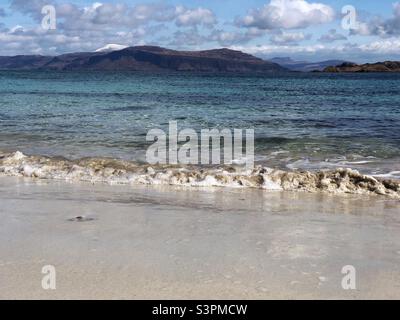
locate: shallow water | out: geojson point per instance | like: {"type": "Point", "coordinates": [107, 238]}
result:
{"type": "Point", "coordinates": [147, 242]}
{"type": "Point", "coordinates": [301, 121]}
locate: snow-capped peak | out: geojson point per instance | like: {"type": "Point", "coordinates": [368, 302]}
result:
{"type": "Point", "coordinates": [111, 47]}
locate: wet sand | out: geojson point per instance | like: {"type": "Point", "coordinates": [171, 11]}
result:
{"type": "Point", "coordinates": [149, 242]}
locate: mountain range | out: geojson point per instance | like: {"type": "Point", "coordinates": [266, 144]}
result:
{"type": "Point", "coordinates": [305, 66]}
{"type": "Point", "coordinates": [115, 57]}
{"type": "Point", "coordinates": [146, 58]}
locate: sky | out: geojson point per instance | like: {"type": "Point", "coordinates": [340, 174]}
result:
{"type": "Point", "coordinates": [312, 30]}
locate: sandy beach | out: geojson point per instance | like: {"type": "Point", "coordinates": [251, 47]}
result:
{"type": "Point", "coordinates": [199, 150]}
{"type": "Point", "coordinates": [149, 242]}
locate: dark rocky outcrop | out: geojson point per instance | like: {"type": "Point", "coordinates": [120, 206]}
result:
{"type": "Point", "coordinates": [387, 66]}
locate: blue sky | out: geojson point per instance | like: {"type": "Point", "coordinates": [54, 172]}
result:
{"type": "Point", "coordinates": [301, 29]}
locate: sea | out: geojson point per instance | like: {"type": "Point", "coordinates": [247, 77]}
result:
{"type": "Point", "coordinates": [302, 121]}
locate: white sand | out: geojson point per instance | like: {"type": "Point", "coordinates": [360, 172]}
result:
{"type": "Point", "coordinates": [156, 243]}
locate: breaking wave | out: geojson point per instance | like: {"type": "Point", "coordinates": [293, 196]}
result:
{"type": "Point", "coordinates": [124, 172]}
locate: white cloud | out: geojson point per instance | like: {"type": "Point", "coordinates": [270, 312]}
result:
{"type": "Point", "coordinates": [388, 46]}
{"type": "Point", "coordinates": [228, 38]}
{"type": "Point", "coordinates": [98, 24]}
{"type": "Point", "coordinates": [185, 39]}
{"type": "Point", "coordinates": [284, 38]}
{"type": "Point", "coordinates": [381, 27]}
{"type": "Point", "coordinates": [331, 36]}
{"type": "Point", "coordinates": [194, 17]}
{"type": "Point", "coordinates": [111, 15]}
{"type": "Point", "coordinates": [288, 14]}
{"type": "Point", "coordinates": [388, 49]}
{"type": "Point", "coordinates": [273, 49]}
{"type": "Point", "coordinates": [88, 27]}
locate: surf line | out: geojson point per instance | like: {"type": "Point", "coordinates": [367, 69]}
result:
{"type": "Point", "coordinates": [186, 147]}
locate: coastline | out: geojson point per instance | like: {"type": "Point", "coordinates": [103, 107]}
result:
{"type": "Point", "coordinates": [142, 242]}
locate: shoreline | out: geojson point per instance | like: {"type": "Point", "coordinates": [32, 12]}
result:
{"type": "Point", "coordinates": [157, 242]}
{"type": "Point", "coordinates": [121, 172]}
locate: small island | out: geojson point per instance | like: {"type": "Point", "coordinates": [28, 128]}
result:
{"type": "Point", "coordinates": [387, 66]}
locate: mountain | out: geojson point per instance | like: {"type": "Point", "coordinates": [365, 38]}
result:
{"type": "Point", "coordinates": [23, 62]}
{"type": "Point", "coordinates": [304, 66]}
{"type": "Point", "coordinates": [146, 58]}
{"type": "Point", "coordinates": [387, 66]}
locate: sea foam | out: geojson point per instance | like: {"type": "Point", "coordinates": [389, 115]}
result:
{"type": "Point", "coordinates": [112, 171]}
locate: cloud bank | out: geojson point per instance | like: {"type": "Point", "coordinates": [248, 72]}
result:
{"type": "Point", "coordinates": [288, 27]}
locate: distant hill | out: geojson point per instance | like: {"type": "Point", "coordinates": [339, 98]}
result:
{"type": "Point", "coordinates": [387, 66]}
{"type": "Point", "coordinates": [146, 58]}
{"type": "Point", "coordinates": [304, 66]}
{"type": "Point", "coordinates": [23, 62]}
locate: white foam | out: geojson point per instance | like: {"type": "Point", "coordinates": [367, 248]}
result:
{"type": "Point", "coordinates": [390, 175]}
{"type": "Point", "coordinates": [121, 172]}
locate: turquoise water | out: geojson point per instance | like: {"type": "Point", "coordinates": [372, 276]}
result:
{"type": "Point", "coordinates": [304, 121]}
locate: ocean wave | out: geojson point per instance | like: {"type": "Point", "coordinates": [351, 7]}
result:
{"type": "Point", "coordinates": [112, 171]}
